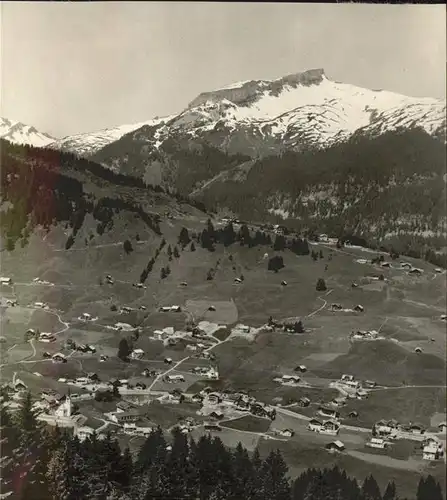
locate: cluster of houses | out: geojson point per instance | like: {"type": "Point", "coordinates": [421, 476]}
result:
{"type": "Point", "coordinates": [209, 373]}
{"type": "Point", "coordinates": [331, 427]}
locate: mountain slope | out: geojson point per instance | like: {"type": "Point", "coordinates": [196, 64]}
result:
{"type": "Point", "coordinates": [19, 133]}
{"type": "Point", "coordinates": [88, 143]}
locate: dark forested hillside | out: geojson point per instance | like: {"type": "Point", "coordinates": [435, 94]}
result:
{"type": "Point", "coordinates": [41, 187]}
{"type": "Point", "coordinates": [50, 464]}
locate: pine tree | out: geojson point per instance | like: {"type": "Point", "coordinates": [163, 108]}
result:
{"type": "Point", "coordinates": [176, 253]}
{"type": "Point", "coordinates": [390, 492]}
{"type": "Point", "coordinates": [163, 273]}
{"type": "Point", "coordinates": [184, 238]}
{"type": "Point", "coordinates": [192, 247]}
{"type": "Point", "coordinates": [370, 489]}
{"type": "Point", "coordinates": [321, 285]}
{"type": "Point", "coordinates": [274, 484]}
{"type": "Point", "coordinates": [124, 350]}
{"type": "Point", "coordinates": [168, 270]}
{"type": "Point", "coordinates": [127, 245]}
{"type": "Point", "coordinates": [280, 243]}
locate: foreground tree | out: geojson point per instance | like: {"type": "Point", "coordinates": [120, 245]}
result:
{"type": "Point", "coordinates": [321, 285]}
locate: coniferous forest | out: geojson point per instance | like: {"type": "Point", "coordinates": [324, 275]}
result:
{"type": "Point", "coordinates": [47, 463]}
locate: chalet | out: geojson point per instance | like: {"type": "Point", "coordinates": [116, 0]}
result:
{"type": "Point", "coordinates": [31, 331]}
{"type": "Point", "coordinates": [353, 414]}
{"type": "Point", "coordinates": [330, 427]}
{"type": "Point", "coordinates": [352, 384]}
{"type": "Point", "coordinates": [442, 427]}
{"type": "Point", "coordinates": [328, 412]}
{"type": "Point", "coordinates": [335, 446]}
{"type": "Point", "coordinates": [286, 433]}
{"type": "Point", "coordinates": [242, 404]}
{"type": "Point", "coordinates": [362, 394]}
{"type": "Point", "coordinates": [214, 398]}
{"type": "Point", "coordinates": [103, 358]}
{"type": "Point", "coordinates": [438, 270]}
{"type": "Point", "coordinates": [415, 271]}
{"type": "Point", "coordinates": [59, 358]}
{"type": "Point", "coordinates": [19, 385]}
{"type": "Point", "coordinates": [383, 428]}
{"type": "Point", "coordinates": [443, 317]}
{"type": "Point", "coordinates": [42, 305]}
{"type": "Point", "coordinates": [93, 377]}
{"type": "Point", "coordinates": [86, 316]}
{"type": "Point", "coordinates": [84, 432]}
{"type": "Point", "coordinates": [301, 368]}
{"type": "Point", "coordinates": [138, 285]}
{"type": "Point", "coordinates": [174, 378]}
{"type": "Point", "coordinates": [354, 285]}
{"type": "Point", "coordinates": [46, 355]}
{"type": "Point", "coordinates": [290, 379]}
{"type": "Point", "coordinates": [183, 283]}
{"type": "Point", "coordinates": [218, 415]}
{"type": "Point", "coordinates": [418, 350]}
{"type": "Point", "coordinates": [211, 308]}
{"type": "Point", "coordinates": [46, 337]}
{"type": "Point", "coordinates": [212, 427]}
{"type": "Point", "coordinates": [284, 283]}
{"type": "Point", "coordinates": [315, 425]}
{"type": "Point", "coordinates": [82, 381]}
{"type": "Point", "coordinates": [336, 307]}
{"type": "Point", "coordinates": [432, 451]}
{"type": "Point", "coordinates": [339, 402]}
{"type": "Point", "coordinates": [82, 348]}
{"type": "Point", "coordinates": [197, 398]}
{"type": "Point", "coordinates": [237, 280]}
{"type": "Point", "coordinates": [191, 347]}
{"type": "Point", "coordinates": [168, 361]}
{"type": "Point", "coordinates": [303, 402]}
{"type": "Point", "coordinates": [176, 309]}
{"type": "Point", "coordinates": [376, 442]}
{"type": "Point", "coordinates": [417, 429]}
{"type": "Point", "coordinates": [5, 281]}
{"type": "Point", "coordinates": [125, 416]}
{"type": "Point", "coordinates": [406, 265]}
{"type": "Point", "coordinates": [11, 302]}
{"type": "Point", "coordinates": [140, 385]}
{"type": "Point", "coordinates": [385, 264]}
{"type": "Point", "coordinates": [370, 383]}
{"type": "Point", "coordinates": [345, 377]}
{"type": "Point", "coordinates": [359, 308]}
{"type": "Point", "coordinates": [137, 354]}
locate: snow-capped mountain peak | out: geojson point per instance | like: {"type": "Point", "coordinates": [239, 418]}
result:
{"type": "Point", "coordinates": [19, 133]}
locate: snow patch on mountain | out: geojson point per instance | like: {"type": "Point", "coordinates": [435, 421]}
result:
{"type": "Point", "coordinates": [19, 133]}
{"type": "Point", "coordinates": [88, 143]}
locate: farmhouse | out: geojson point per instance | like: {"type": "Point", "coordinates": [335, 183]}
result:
{"type": "Point", "coordinates": [19, 385]}
{"type": "Point", "coordinates": [303, 402]}
{"type": "Point", "coordinates": [136, 430]}
{"type": "Point", "coordinates": [338, 402]}
{"type": "Point", "coordinates": [335, 446]}
{"type": "Point", "coordinates": [124, 326]}
{"type": "Point", "coordinates": [301, 368]}
{"type": "Point", "coordinates": [315, 425]}
{"type": "Point", "coordinates": [415, 271]}
{"type": "Point", "coordinates": [353, 414]}
{"type": "Point", "coordinates": [11, 302]}
{"type": "Point", "coordinates": [328, 412]}
{"type": "Point", "coordinates": [286, 433]}
{"type": "Point", "coordinates": [336, 307]}
{"type": "Point", "coordinates": [432, 451]}
{"type": "Point", "coordinates": [137, 354]}
{"type": "Point", "coordinates": [290, 379]}
{"type": "Point", "coordinates": [370, 383]}
{"type": "Point", "coordinates": [347, 377]}
{"type": "Point", "coordinates": [330, 427]}
{"type": "Point", "coordinates": [377, 443]}
{"type": "Point", "coordinates": [174, 378]}
{"type": "Point", "coordinates": [83, 432]}
{"type": "Point", "coordinates": [383, 428]}
{"type": "Point", "coordinates": [218, 415]}
{"type": "Point", "coordinates": [5, 281]}
{"type": "Point", "coordinates": [86, 316]}
{"type": "Point", "coordinates": [359, 308]}
{"type": "Point", "coordinates": [417, 429]}
{"type": "Point", "coordinates": [125, 416]}
{"type": "Point", "coordinates": [59, 358]}
{"type": "Point", "coordinates": [42, 305]}
{"type": "Point", "coordinates": [442, 427]}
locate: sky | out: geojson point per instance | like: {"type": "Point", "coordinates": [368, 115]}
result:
{"type": "Point", "coordinates": [69, 68]}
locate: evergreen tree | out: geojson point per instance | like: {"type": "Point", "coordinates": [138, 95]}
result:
{"type": "Point", "coordinates": [127, 245]}
{"type": "Point", "coordinates": [192, 247]}
{"type": "Point", "coordinates": [280, 243]}
{"type": "Point", "coordinates": [275, 263]}
{"type": "Point", "coordinates": [274, 484]}
{"type": "Point", "coordinates": [124, 350]}
{"type": "Point", "coordinates": [184, 238]}
{"type": "Point", "coordinates": [176, 253]}
{"type": "Point", "coordinates": [163, 273]}
{"type": "Point", "coordinates": [169, 251]}
{"type": "Point", "coordinates": [390, 492]}
{"type": "Point", "coordinates": [321, 285]}
{"type": "Point", "coordinates": [370, 489]}
{"type": "Point", "coordinates": [244, 235]}
{"type": "Point", "coordinates": [168, 270]}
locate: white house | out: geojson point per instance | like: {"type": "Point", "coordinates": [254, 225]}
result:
{"type": "Point", "coordinates": [175, 378]}
{"type": "Point", "coordinates": [432, 451]}
{"type": "Point", "coordinates": [86, 316]}
{"type": "Point", "coordinates": [286, 433]}
{"type": "Point", "coordinates": [40, 304]}
{"type": "Point", "coordinates": [346, 377]}
{"type": "Point", "coordinates": [383, 429]}
{"type": "Point", "coordinates": [83, 432]}
{"type": "Point", "coordinates": [290, 379]}
{"type": "Point", "coordinates": [137, 354]}
{"type": "Point", "coordinates": [5, 281]}
{"type": "Point", "coordinates": [377, 443]}
{"type": "Point", "coordinates": [315, 425]}
{"type": "Point", "coordinates": [330, 427]}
